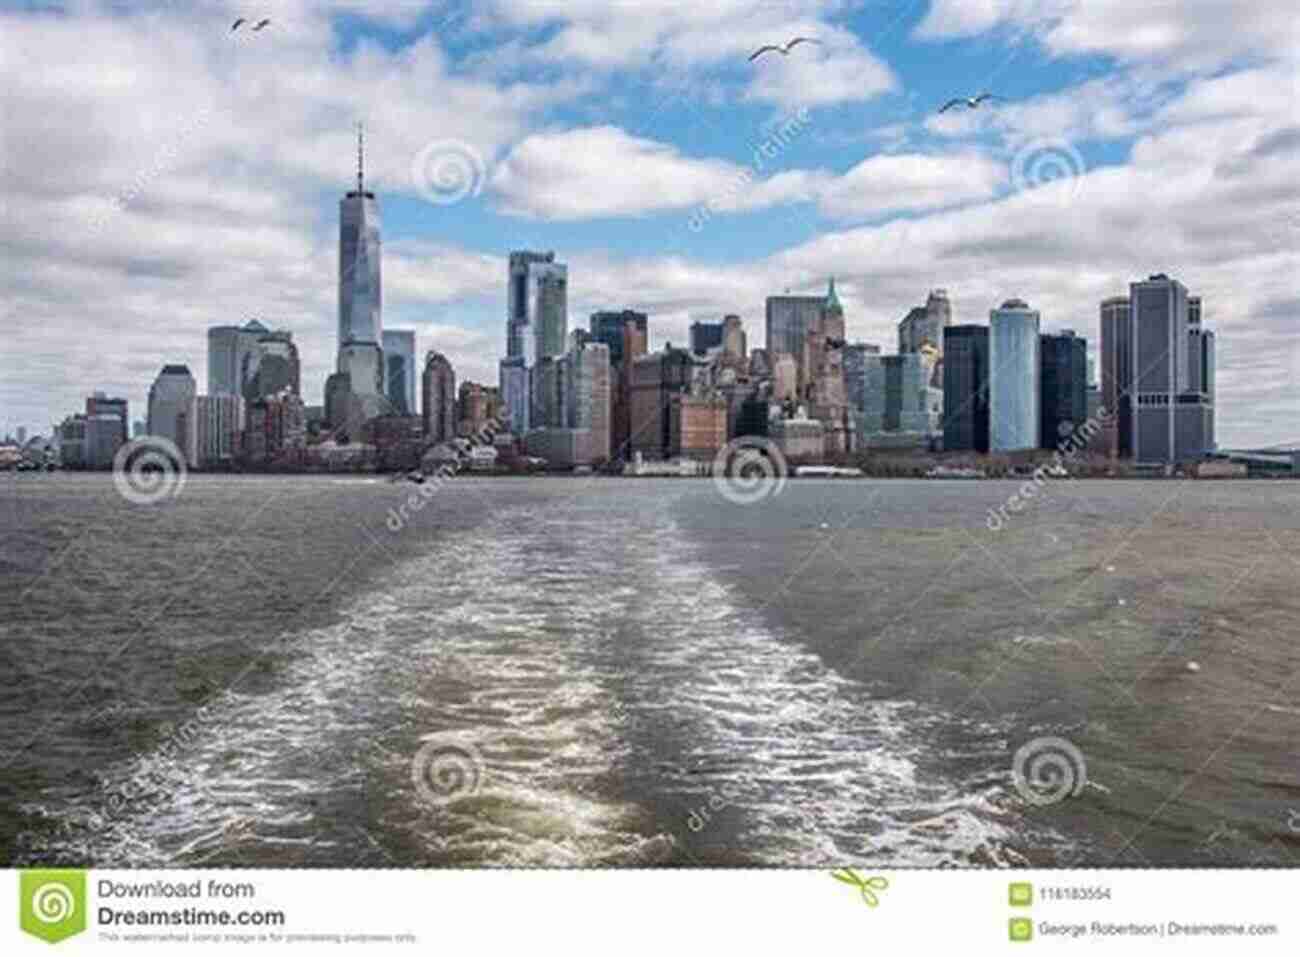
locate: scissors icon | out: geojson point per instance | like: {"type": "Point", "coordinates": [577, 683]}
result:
{"type": "Point", "coordinates": [867, 887]}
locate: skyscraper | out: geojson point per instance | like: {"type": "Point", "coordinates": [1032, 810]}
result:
{"type": "Point", "coordinates": [277, 367]}
{"type": "Point", "coordinates": [855, 354]}
{"type": "Point", "coordinates": [233, 357]}
{"type": "Point", "coordinates": [626, 334]}
{"type": "Point", "coordinates": [589, 401]}
{"type": "Point", "coordinates": [925, 323]}
{"type": "Point", "coordinates": [705, 336]}
{"type": "Point", "coordinates": [1014, 374]}
{"type": "Point", "coordinates": [1117, 372]}
{"type": "Point", "coordinates": [537, 319]}
{"type": "Point", "coordinates": [1160, 371]}
{"type": "Point", "coordinates": [788, 320]}
{"type": "Point", "coordinates": [399, 370]}
{"type": "Point", "coordinates": [170, 397]}
{"type": "Point", "coordinates": [360, 333]}
{"type": "Point", "coordinates": [1063, 396]}
{"type": "Point", "coordinates": [966, 388]}
{"type": "Point", "coordinates": [216, 422]}
{"type": "Point", "coordinates": [101, 404]}
{"type": "Point", "coordinates": [438, 392]}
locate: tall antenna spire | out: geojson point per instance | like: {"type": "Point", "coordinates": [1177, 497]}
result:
{"type": "Point", "coordinates": [361, 144]}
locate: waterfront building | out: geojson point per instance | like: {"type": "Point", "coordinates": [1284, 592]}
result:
{"type": "Point", "coordinates": [1014, 377]}
{"type": "Point", "coordinates": [277, 366]}
{"type": "Point", "coordinates": [101, 404]}
{"type": "Point", "coordinates": [275, 430]}
{"type": "Point", "coordinates": [215, 437]}
{"type": "Point", "coordinates": [925, 324]}
{"type": "Point", "coordinates": [1063, 387]}
{"type": "Point", "coordinates": [674, 406]}
{"type": "Point", "coordinates": [477, 407]}
{"type": "Point", "coordinates": [233, 357]}
{"type": "Point", "coordinates": [799, 439]}
{"type": "Point", "coordinates": [898, 398]}
{"type": "Point", "coordinates": [169, 403]}
{"type": "Point", "coordinates": [966, 388]}
{"type": "Point", "coordinates": [626, 334]}
{"type": "Point", "coordinates": [399, 371]}
{"type": "Point", "coordinates": [855, 354]}
{"type": "Point", "coordinates": [536, 327]}
{"type": "Point", "coordinates": [338, 402]}
{"type": "Point", "coordinates": [360, 326]}
{"type": "Point", "coordinates": [438, 394]}
{"type": "Point", "coordinates": [104, 435]}
{"type": "Point", "coordinates": [1171, 417]}
{"type": "Point", "coordinates": [821, 375]}
{"type": "Point", "coordinates": [1117, 373]}
{"type": "Point", "coordinates": [588, 402]}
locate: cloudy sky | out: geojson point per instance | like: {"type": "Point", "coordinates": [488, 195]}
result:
{"type": "Point", "coordinates": [163, 174]}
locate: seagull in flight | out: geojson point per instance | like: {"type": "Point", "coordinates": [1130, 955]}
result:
{"type": "Point", "coordinates": [972, 102]}
{"type": "Point", "coordinates": [785, 50]}
{"type": "Point", "coordinates": [235, 25]}
{"type": "Point", "coordinates": [260, 24]}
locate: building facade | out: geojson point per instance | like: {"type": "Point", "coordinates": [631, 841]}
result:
{"type": "Point", "coordinates": [360, 326]}
{"type": "Point", "coordinates": [925, 324]}
{"type": "Point", "coordinates": [1169, 416]}
{"type": "Point", "coordinates": [400, 371]}
{"type": "Point", "coordinates": [1014, 377]}
{"type": "Point", "coordinates": [170, 398]}
{"type": "Point", "coordinates": [898, 398]}
{"type": "Point", "coordinates": [626, 334]}
{"type": "Point", "coordinates": [1063, 390]}
{"type": "Point", "coordinates": [215, 437]}
{"type": "Point", "coordinates": [1117, 373]}
{"type": "Point", "coordinates": [966, 388]}
{"type": "Point", "coordinates": [537, 317]}
{"type": "Point", "coordinates": [438, 395]}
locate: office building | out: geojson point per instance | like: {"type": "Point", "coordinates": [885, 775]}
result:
{"type": "Point", "coordinates": [588, 403]}
{"type": "Point", "coordinates": [438, 395]}
{"type": "Point", "coordinates": [217, 425]}
{"type": "Point", "coordinates": [898, 398]}
{"type": "Point", "coordinates": [1063, 387]}
{"type": "Point", "coordinates": [1014, 377]}
{"type": "Point", "coordinates": [705, 336]}
{"type": "Point", "coordinates": [234, 354]}
{"type": "Point", "coordinates": [102, 404]}
{"type": "Point", "coordinates": [170, 397]}
{"type": "Point", "coordinates": [855, 354]}
{"type": "Point", "coordinates": [275, 430]}
{"type": "Point", "coordinates": [675, 408]}
{"type": "Point", "coordinates": [399, 371]}
{"type": "Point", "coordinates": [1117, 374]}
{"type": "Point", "coordinates": [925, 324]}
{"type": "Point", "coordinates": [478, 409]}
{"type": "Point", "coordinates": [1169, 418]}
{"type": "Point", "coordinates": [278, 367]}
{"type": "Point", "coordinates": [626, 334]}
{"type": "Point", "coordinates": [360, 328]}
{"type": "Point", "coordinates": [537, 317]}
{"type": "Point", "coordinates": [788, 319]}
{"type": "Point", "coordinates": [966, 388]}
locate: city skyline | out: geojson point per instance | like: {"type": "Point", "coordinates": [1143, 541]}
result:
{"type": "Point", "coordinates": [193, 246]}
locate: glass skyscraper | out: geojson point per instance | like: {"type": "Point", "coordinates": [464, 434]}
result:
{"type": "Point", "coordinates": [361, 331]}
{"type": "Point", "coordinates": [1014, 375]}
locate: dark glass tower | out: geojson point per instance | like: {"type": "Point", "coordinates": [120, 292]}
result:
{"type": "Point", "coordinates": [1063, 387]}
{"type": "Point", "coordinates": [966, 388]}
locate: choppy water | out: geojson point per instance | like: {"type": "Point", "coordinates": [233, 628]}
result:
{"type": "Point", "coordinates": [638, 673]}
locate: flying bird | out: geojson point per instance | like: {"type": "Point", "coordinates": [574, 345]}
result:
{"type": "Point", "coordinates": [235, 26]}
{"type": "Point", "coordinates": [972, 102]}
{"type": "Point", "coordinates": [260, 24]}
{"type": "Point", "coordinates": [785, 50]}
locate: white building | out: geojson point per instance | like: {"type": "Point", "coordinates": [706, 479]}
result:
{"type": "Point", "coordinates": [170, 397]}
{"type": "Point", "coordinates": [216, 424]}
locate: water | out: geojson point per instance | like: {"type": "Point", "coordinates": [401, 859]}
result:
{"type": "Point", "coordinates": [640, 673]}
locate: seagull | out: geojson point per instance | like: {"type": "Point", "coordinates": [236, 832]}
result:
{"type": "Point", "coordinates": [969, 101]}
{"type": "Point", "coordinates": [260, 24]}
{"type": "Point", "coordinates": [235, 25]}
{"type": "Point", "coordinates": [785, 50]}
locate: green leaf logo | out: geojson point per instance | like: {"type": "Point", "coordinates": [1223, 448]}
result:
{"type": "Point", "coordinates": [52, 904]}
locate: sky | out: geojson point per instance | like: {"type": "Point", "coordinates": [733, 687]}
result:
{"type": "Point", "coordinates": [163, 173]}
